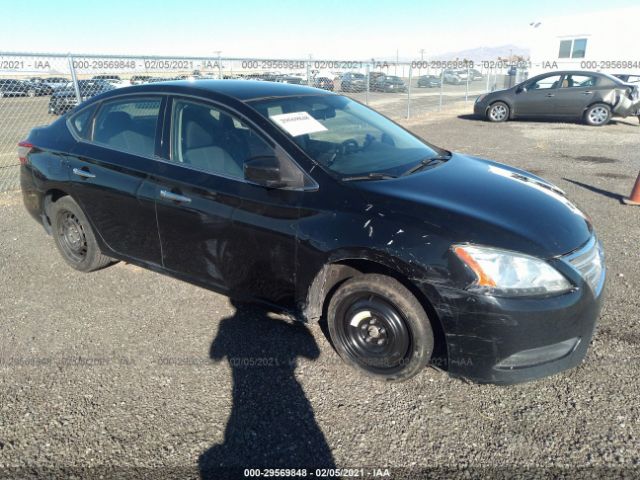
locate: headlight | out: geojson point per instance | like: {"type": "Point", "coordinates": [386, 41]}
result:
{"type": "Point", "coordinates": [480, 98]}
{"type": "Point", "coordinates": [508, 274]}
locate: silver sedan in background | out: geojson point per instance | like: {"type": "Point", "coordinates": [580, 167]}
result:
{"type": "Point", "coordinates": [590, 96]}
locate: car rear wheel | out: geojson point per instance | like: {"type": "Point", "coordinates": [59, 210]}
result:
{"type": "Point", "coordinates": [498, 112]}
{"type": "Point", "coordinates": [377, 326]}
{"type": "Point", "coordinates": [31, 93]}
{"type": "Point", "coordinates": [74, 237]}
{"type": "Point", "coordinates": [598, 115]}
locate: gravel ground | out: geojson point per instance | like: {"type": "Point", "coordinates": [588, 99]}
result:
{"type": "Point", "coordinates": [127, 372]}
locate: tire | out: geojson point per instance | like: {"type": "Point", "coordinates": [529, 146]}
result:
{"type": "Point", "coordinates": [1, 94]}
{"type": "Point", "coordinates": [498, 112]}
{"type": "Point", "coordinates": [74, 236]}
{"type": "Point", "coordinates": [31, 93]}
{"type": "Point", "coordinates": [377, 326]}
{"type": "Point", "coordinates": [597, 115]}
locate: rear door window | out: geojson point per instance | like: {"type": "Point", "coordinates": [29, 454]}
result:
{"type": "Point", "coordinates": [128, 125]}
{"type": "Point", "coordinates": [577, 81]}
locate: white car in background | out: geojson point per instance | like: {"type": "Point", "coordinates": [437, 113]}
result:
{"type": "Point", "coordinates": [113, 80]}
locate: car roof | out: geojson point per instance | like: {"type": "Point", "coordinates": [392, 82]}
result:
{"type": "Point", "coordinates": [242, 90]}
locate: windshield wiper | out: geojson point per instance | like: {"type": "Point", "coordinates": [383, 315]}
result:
{"type": "Point", "coordinates": [369, 176]}
{"type": "Point", "coordinates": [427, 162]}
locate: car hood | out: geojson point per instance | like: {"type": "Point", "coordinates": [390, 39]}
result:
{"type": "Point", "coordinates": [474, 200]}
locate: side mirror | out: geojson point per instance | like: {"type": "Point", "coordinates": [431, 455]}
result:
{"type": "Point", "coordinates": [265, 171]}
{"type": "Point", "coordinates": [521, 88]}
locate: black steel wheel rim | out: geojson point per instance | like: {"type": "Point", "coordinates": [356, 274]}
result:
{"type": "Point", "coordinates": [72, 236]}
{"type": "Point", "coordinates": [374, 333]}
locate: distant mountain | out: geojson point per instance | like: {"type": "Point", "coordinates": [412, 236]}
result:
{"type": "Point", "coordinates": [484, 53]}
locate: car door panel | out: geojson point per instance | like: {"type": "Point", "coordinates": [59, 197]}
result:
{"type": "Point", "coordinates": [231, 235]}
{"type": "Point", "coordinates": [532, 102]}
{"type": "Point", "coordinates": [572, 101]}
{"type": "Point", "coordinates": [106, 184]}
{"type": "Point", "coordinates": [194, 223]}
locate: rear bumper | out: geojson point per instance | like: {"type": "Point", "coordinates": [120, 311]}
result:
{"type": "Point", "coordinates": [31, 196]}
{"type": "Point", "coordinates": [505, 341]}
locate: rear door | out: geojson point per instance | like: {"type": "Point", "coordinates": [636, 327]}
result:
{"type": "Point", "coordinates": [576, 93]}
{"type": "Point", "coordinates": [108, 169]}
{"type": "Point", "coordinates": [538, 98]}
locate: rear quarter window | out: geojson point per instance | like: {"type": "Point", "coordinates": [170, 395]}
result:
{"type": "Point", "coordinates": [80, 122]}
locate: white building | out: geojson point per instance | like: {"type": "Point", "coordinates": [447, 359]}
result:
{"type": "Point", "coordinates": [604, 41]}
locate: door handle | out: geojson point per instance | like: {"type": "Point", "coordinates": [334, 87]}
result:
{"type": "Point", "coordinates": [551, 94]}
{"type": "Point", "coordinates": [587, 93]}
{"type": "Point", "coordinates": [174, 196]}
{"type": "Point", "coordinates": [83, 173]}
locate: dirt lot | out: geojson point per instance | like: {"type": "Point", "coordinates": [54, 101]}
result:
{"type": "Point", "coordinates": [130, 370]}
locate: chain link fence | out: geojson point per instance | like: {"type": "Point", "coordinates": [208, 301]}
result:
{"type": "Point", "coordinates": [36, 88]}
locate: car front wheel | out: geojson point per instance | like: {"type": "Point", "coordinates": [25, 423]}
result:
{"type": "Point", "coordinates": [379, 327]}
{"type": "Point", "coordinates": [598, 115]}
{"type": "Point", "coordinates": [498, 112]}
{"type": "Point", "coordinates": [74, 237]}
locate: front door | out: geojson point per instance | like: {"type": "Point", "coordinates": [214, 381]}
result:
{"type": "Point", "coordinates": [537, 99]}
{"type": "Point", "coordinates": [215, 228]}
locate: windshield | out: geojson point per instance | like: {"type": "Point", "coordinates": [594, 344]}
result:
{"type": "Point", "coordinates": [344, 136]}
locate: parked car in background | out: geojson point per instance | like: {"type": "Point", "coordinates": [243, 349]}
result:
{"type": "Point", "coordinates": [353, 82]}
{"type": "Point", "coordinates": [40, 86]}
{"type": "Point", "coordinates": [475, 74]}
{"type": "Point", "coordinates": [139, 79]}
{"type": "Point", "coordinates": [628, 77]}
{"type": "Point", "coordinates": [429, 81]}
{"type": "Point", "coordinates": [373, 76]}
{"type": "Point", "coordinates": [320, 207]}
{"type": "Point", "coordinates": [56, 82]}
{"type": "Point", "coordinates": [114, 80]}
{"type": "Point", "coordinates": [64, 99]}
{"type": "Point", "coordinates": [324, 83]}
{"type": "Point", "coordinates": [390, 83]}
{"type": "Point", "coordinates": [293, 79]}
{"type": "Point", "coordinates": [455, 77]}
{"type": "Point", "coordinates": [10, 87]}
{"type": "Point", "coordinates": [591, 96]}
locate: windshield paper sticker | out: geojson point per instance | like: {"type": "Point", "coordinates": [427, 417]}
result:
{"type": "Point", "coordinates": [298, 123]}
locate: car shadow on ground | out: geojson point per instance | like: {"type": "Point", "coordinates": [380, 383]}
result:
{"type": "Point", "coordinates": [606, 193]}
{"type": "Point", "coordinates": [272, 423]}
{"type": "Point", "coordinates": [612, 122]}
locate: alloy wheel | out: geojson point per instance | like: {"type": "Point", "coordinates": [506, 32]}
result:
{"type": "Point", "coordinates": [498, 113]}
{"type": "Point", "coordinates": [598, 115]}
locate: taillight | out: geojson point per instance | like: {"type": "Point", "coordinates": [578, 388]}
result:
{"type": "Point", "coordinates": [24, 148]}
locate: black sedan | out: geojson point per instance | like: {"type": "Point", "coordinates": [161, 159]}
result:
{"type": "Point", "coordinates": [318, 206]}
{"type": "Point", "coordinates": [64, 99]}
{"type": "Point", "coordinates": [389, 84]}
{"type": "Point", "coordinates": [353, 82]}
{"type": "Point", "coordinates": [590, 96]}
{"type": "Point", "coordinates": [324, 83]}
{"type": "Point", "coordinates": [22, 88]}
{"type": "Point", "coordinates": [429, 81]}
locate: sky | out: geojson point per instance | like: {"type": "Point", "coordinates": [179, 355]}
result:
{"type": "Point", "coordinates": [327, 29]}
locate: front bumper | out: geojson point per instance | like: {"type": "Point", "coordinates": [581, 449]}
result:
{"type": "Point", "coordinates": [479, 108]}
{"type": "Point", "coordinates": [512, 340]}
